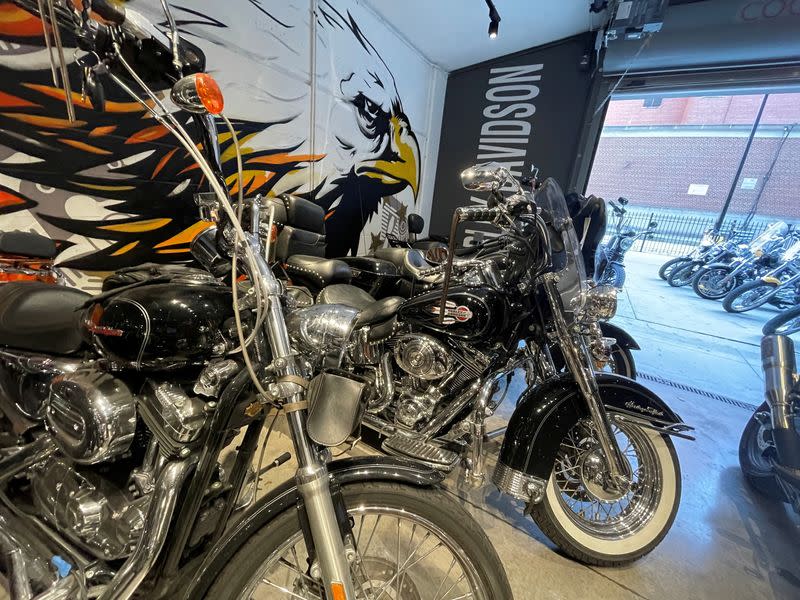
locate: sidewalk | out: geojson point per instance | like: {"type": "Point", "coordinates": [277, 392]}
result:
{"type": "Point", "coordinates": [687, 339]}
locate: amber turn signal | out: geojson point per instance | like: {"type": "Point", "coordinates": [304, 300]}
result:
{"type": "Point", "coordinates": [198, 93]}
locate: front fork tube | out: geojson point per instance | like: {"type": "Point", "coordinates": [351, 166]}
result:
{"type": "Point", "coordinates": [578, 360]}
{"type": "Point", "coordinates": [312, 477]}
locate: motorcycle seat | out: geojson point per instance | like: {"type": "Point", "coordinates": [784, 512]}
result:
{"type": "Point", "coordinates": [317, 272]}
{"type": "Point", "coordinates": [41, 317]}
{"type": "Point", "coordinates": [371, 311]}
{"type": "Point", "coordinates": [25, 243]}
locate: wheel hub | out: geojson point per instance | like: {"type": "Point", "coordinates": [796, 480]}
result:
{"type": "Point", "coordinates": [596, 479]}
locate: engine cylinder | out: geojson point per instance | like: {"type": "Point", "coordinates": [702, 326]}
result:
{"type": "Point", "coordinates": [91, 415]}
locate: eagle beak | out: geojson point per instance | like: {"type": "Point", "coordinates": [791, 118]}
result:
{"type": "Point", "coordinates": [400, 163]}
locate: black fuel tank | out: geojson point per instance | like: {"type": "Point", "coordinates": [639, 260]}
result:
{"type": "Point", "coordinates": [162, 326]}
{"type": "Point", "coordinates": [471, 313]}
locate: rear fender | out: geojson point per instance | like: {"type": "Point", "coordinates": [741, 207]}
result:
{"type": "Point", "coordinates": [624, 339]}
{"type": "Point", "coordinates": [196, 580]}
{"type": "Point", "coordinates": [545, 413]}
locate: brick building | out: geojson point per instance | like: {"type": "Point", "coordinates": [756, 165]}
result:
{"type": "Point", "coordinates": [653, 150]}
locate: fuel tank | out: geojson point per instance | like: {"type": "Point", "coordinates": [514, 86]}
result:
{"type": "Point", "coordinates": [471, 313]}
{"type": "Point", "coordinates": [162, 326]}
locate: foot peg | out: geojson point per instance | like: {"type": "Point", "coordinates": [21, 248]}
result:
{"type": "Point", "coordinates": [427, 452]}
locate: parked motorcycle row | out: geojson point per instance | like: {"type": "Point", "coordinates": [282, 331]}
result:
{"type": "Point", "coordinates": [130, 420]}
{"type": "Point", "coordinates": [745, 276]}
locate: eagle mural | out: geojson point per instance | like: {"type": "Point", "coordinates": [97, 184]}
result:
{"type": "Point", "coordinates": [119, 190]}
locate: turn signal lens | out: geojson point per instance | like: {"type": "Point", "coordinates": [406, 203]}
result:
{"type": "Point", "coordinates": [209, 93]}
{"type": "Point", "coordinates": [198, 93]}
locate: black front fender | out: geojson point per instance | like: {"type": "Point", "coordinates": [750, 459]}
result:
{"type": "Point", "coordinates": [285, 497]}
{"type": "Point", "coordinates": [624, 339]}
{"type": "Point", "coordinates": [545, 413]}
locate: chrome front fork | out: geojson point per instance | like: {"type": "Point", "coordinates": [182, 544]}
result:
{"type": "Point", "coordinates": [578, 360]}
{"type": "Point", "coordinates": [312, 473]}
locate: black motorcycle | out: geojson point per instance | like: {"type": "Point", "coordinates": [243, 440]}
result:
{"type": "Point", "coordinates": [707, 244]}
{"type": "Point", "coordinates": [588, 453]}
{"type": "Point", "coordinates": [769, 451]}
{"type": "Point", "coordinates": [609, 265]}
{"type": "Point", "coordinates": [122, 471]}
{"type": "Point", "coordinates": [745, 263]}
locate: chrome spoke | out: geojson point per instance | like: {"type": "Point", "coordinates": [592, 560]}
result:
{"type": "Point", "coordinates": [446, 575]}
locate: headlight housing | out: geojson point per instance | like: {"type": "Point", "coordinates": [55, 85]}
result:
{"type": "Point", "coordinates": [626, 243]}
{"type": "Point", "coordinates": [600, 303]}
{"type": "Point", "coordinates": [321, 330]}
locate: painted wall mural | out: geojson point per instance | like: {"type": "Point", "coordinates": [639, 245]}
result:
{"type": "Point", "coordinates": [118, 191]}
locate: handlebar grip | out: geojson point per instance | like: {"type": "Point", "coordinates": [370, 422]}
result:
{"type": "Point", "coordinates": [478, 214]}
{"type": "Point", "coordinates": [109, 11]}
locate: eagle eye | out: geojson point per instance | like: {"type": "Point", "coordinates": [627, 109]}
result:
{"type": "Point", "coordinates": [373, 117]}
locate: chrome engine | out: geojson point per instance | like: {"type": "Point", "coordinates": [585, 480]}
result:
{"type": "Point", "coordinates": [94, 513]}
{"type": "Point", "coordinates": [434, 374]}
{"type": "Point", "coordinates": [91, 417]}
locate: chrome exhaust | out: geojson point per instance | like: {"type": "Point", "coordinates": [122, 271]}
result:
{"type": "Point", "coordinates": [779, 365]}
{"type": "Point", "coordinates": [26, 456]}
{"type": "Point", "coordinates": [154, 533]}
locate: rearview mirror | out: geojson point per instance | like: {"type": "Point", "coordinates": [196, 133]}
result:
{"type": "Point", "coordinates": [487, 177]}
{"type": "Point", "coordinates": [652, 225]}
{"type": "Point", "coordinates": [437, 255]}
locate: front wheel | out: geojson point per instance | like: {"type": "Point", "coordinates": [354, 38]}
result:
{"type": "Point", "coordinates": [708, 282]}
{"type": "Point", "coordinates": [756, 453]}
{"type": "Point", "coordinates": [621, 362]}
{"type": "Point", "coordinates": [749, 296]}
{"type": "Point", "coordinates": [666, 269]}
{"type": "Point", "coordinates": [614, 275]}
{"type": "Point", "coordinates": [786, 323]}
{"type": "Point", "coordinates": [683, 275]}
{"type": "Point", "coordinates": [595, 525]}
{"type": "Point", "coordinates": [411, 543]}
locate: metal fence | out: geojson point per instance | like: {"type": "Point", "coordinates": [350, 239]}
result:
{"type": "Point", "coordinates": [678, 233]}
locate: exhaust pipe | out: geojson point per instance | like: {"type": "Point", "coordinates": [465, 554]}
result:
{"type": "Point", "coordinates": [26, 456]}
{"type": "Point", "coordinates": [779, 365]}
{"type": "Point", "coordinates": [154, 532]}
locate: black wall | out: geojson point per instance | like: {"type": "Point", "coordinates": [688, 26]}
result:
{"type": "Point", "coordinates": [523, 109]}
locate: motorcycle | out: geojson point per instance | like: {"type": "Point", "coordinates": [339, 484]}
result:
{"type": "Point", "coordinates": [780, 287]}
{"type": "Point", "coordinates": [122, 471]}
{"type": "Point", "coordinates": [707, 241]}
{"type": "Point", "coordinates": [27, 256]}
{"type": "Point", "coordinates": [716, 280]}
{"type": "Point", "coordinates": [438, 369]}
{"type": "Point", "coordinates": [609, 259]}
{"type": "Point", "coordinates": [721, 252]}
{"type": "Point", "coordinates": [769, 450]}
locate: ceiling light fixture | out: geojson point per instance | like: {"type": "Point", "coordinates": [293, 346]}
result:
{"type": "Point", "coordinates": [494, 19]}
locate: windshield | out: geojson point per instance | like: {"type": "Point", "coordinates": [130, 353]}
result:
{"type": "Point", "coordinates": [776, 230]}
{"type": "Point", "coordinates": [567, 257]}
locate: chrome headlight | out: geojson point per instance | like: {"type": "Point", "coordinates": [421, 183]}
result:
{"type": "Point", "coordinates": [600, 303]}
{"type": "Point", "coordinates": [626, 243]}
{"type": "Point", "coordinates": [322, 329]}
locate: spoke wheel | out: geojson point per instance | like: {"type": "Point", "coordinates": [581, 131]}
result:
{"type": "Point", "coordinates": [411, 544]}
{"type": "Point", "coordinates": [748, 296]}
{"type": "Point", "coordinates": [786, 323]}
{"type": "Point", "coordinates": [597, 524]}
{"type": "Point", "coordinates": [708, 283]}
